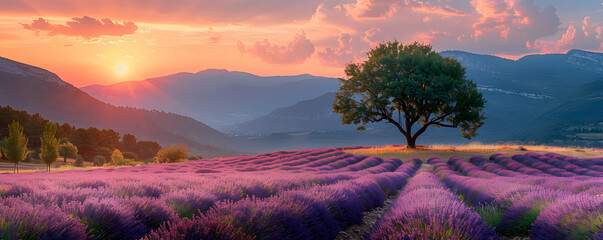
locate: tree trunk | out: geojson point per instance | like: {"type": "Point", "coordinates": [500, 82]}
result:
{"type": "Point", "coordinates": [410, 142]}
{"type": "Point", "coordinates": [65, 157]}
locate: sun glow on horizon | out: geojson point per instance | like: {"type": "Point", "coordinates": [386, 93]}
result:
{"type": "Point", "coordinates": [121, 69]}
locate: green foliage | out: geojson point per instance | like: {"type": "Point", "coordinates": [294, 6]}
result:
{"type": "Point", "coordinates": [67, 149]}
{"type": "Point", "coordinates": [491, 214]}
{"type": "Point", "coordinates": [147, 149]}
{"type": "Point", "coordinates": [130, 155]}
{"type": "Point", "coordinates": [99, 160]}
{"type": "Point", "coordinates": [197, 157]}
{"type": "Point", "coordinates": [109, 139]}
{"type": "Point", "coordinates": [128, 143]}
{"type": "Point", "coordinates": [79, 161]}
{"type": "Point", "coordinates": [86, 141]}
{"type": "Point", "coordinates": [14, 146]}
{"type": "Point", "coordinates": [172, 154]}
{"type": "Point", "coordinates": [118, 159]}
{"type": "Point", "coordinates": [50, 145]}
{"type": "Point", "coordinates": [105, 152]}
{"type": "Point", "coordinates": [409, 85]}
{"type": "Point", "coordinates": [33, 156]}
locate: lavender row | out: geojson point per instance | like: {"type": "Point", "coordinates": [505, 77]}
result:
{"type": "Point", "coordinates": [311, 213]}
{"type": "Point", "coordinates": [426, 210]}
{"type": "Point", "coordinates": [522, 204]}
{"type": "Point", "coordinates": [578, 170]}
{"type": "Point", "coordinates": [595, 164]}
{"type": "Point", "coordinates": [516, 166]}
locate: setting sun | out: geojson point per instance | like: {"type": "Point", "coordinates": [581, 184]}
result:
{"type": "Point", "coordinates": [121, 70]}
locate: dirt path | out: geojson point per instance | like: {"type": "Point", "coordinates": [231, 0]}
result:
{"type": "Point", "coordinates": [358, 231]}
{"type": "Point", "coordinates": [7, 167]}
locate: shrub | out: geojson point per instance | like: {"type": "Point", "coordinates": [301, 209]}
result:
{"type": "Point", "coordinates": [99, 160]}
{"type": "Point", "coordinates": [172, 154]}
{"type": "Point", "coordinates": [79, 161]}
{"type": "Point", "coordinates": [118, 159]}
{"type": "Point", "coordinates": [130, 155]}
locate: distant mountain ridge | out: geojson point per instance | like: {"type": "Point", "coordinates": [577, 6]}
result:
{"type": "Point", "coordinates": [516, 108]}
{"type": "Point", "coordinates": [547, 74]}
{"type": "Point", "coordinates": [215, 96]}
{"type": "Point", "coordinates": [36, 90]}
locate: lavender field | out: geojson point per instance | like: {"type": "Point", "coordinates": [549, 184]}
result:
{"type": "Point", "coordinates": [311, 194]}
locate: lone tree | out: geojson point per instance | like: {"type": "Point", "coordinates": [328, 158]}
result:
{"type": "Point", "coordinates": [50, 145]}
{"type": "Point", "coordinates": [14, 146]}
{"type": "Point", "coordinates": [67, 149]}
{"type": "Point", "coordinates": [172, 154]}
{"type": "Point", "coordinates": [422, 87]}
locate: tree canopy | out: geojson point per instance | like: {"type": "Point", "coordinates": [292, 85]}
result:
{"type": "Point", "coordinates": [14, 146]}
{"type": "Point", "coordinates": [409, 86]}
{"type": "Point", "coordinates": [50, 145]}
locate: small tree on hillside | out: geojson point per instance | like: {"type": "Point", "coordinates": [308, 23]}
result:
{"type": "Point", "coordinates": [172, 154]}
{"type": "Point", "coordinates": [50, 145]}
{"type": "Point", "coordinates": [66, 150]}
{"type": "Point", "coordinates": [14, 146]}
{"type": "Point", "coordinates": [409, 85]}
{"type": "Point", "coordinates": [117, 157]}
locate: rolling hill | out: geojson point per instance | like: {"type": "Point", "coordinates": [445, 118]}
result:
{"type": "Point", "coordinates": [217, 97]}
{"type": "Point", "coordinates": [522, 97]}
{"type": "Point", "coordinates": [36, 90]}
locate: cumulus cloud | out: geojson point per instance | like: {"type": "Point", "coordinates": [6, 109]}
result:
{"type": "Point", "coordinates": [382, 9]}
{"type": "Point", "coordinates": [504, 27]}
{"type": "Point", "coordinates": [297, 51]}
{"type": "Point", "coordinates": [170, 11]}
{"type": "Point", "coordinates": [340, 55]}
{"type": "Point", "coordinates": [426, 7]}
{"type": "Point", "coordinates": [586, 37]}
{"type": "Point", "coordinates": [515, 20]}
{"type": "Point", "coordinates": [83, 27]}
{"type": "Point", "coordinates": [372, 9]}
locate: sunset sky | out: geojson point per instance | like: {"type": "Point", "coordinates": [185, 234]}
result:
{"type": "Point", "coordinates": [101, 42]}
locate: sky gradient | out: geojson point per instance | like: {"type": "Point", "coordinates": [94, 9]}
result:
{"type": "Point", "coordinates": [101, 42]}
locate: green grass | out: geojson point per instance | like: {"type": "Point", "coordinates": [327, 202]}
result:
{"type": "Point", "coordinates": [491, 214]}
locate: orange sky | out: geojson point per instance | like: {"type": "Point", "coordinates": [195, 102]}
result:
{"type": "Point", "coordinates": [101, 42]}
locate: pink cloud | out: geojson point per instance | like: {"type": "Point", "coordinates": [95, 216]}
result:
{"type": "Point", "coordinates": [586, 37]}
{"type": "Point", "coordinates": [83, 27]}
{"type": "Point", "coordinates": [170, 11]}
{"type": "Point", "coordinates": [372, 9]}
{"type": "Point", "coordinates": [340, 55]}
{"type": "Point", "coordinates": [369, 36]}
{"type": "Point", "coordinates": [215, 39]}
{"type": "Point", "coordinates": [296, 52]}
{"type": "Point", "coordinates": [426, 7]}
{"type": "Point", "coordinates": [518, 20]}
{"type": "Point", "coordinates": [507, 27]}
{"type": "Point", "coordinates": [383, 9]}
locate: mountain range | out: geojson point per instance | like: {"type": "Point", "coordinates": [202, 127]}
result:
{"type": "Point", "coordinates": [216, 97]}
{"type": "Point", "coordinates": [535, 99]}
{"type": "Point", "coordinates": [528, 100]}
{"type": "Point", "coordinates": [35, 90]}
